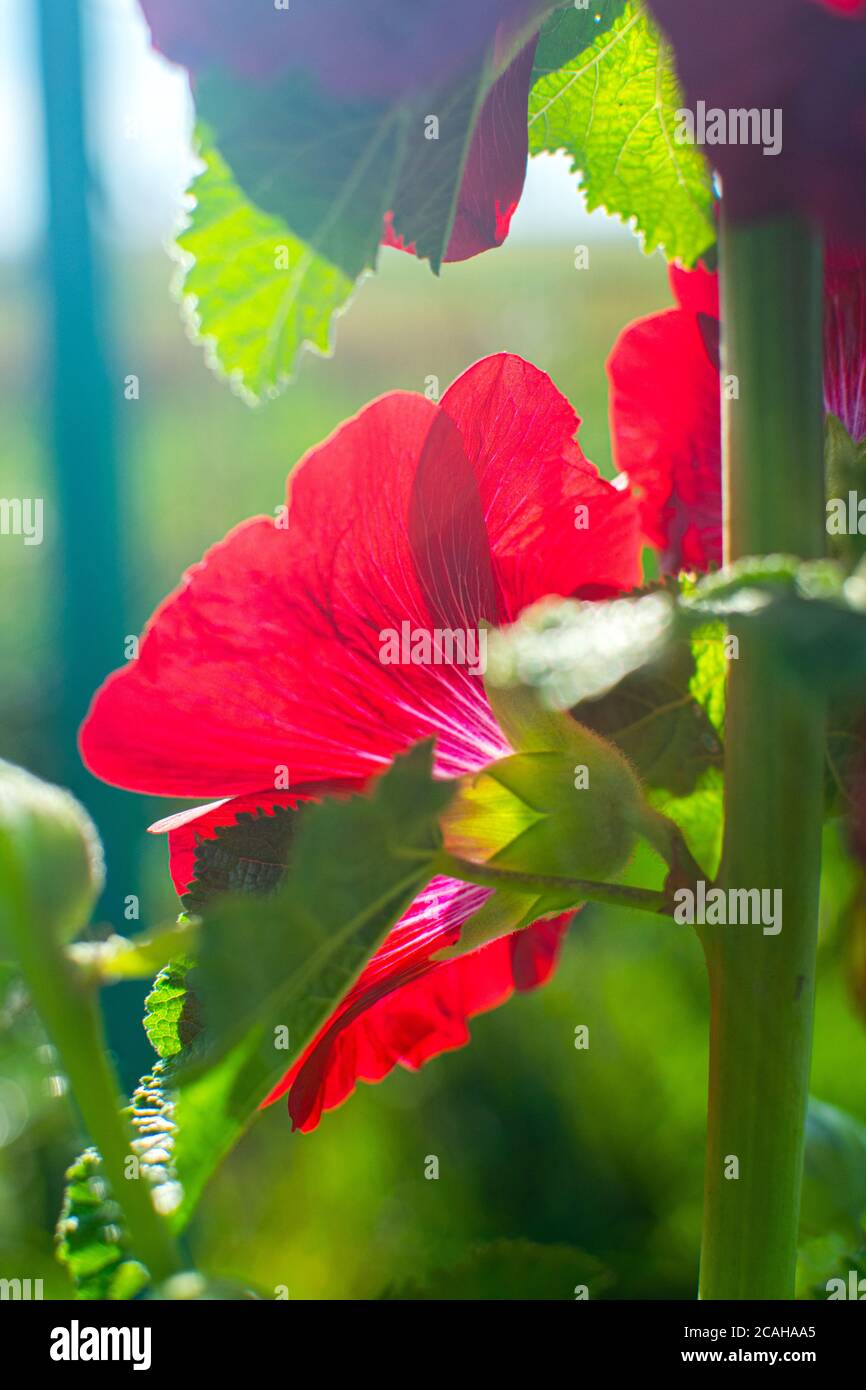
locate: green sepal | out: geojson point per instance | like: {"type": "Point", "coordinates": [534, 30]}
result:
{"type": "Point", "coordinates": [544, 813]}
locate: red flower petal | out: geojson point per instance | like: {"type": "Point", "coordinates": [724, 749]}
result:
{"type": "Point", "coordinates": [268, 654]}
{"type": "Point", "coordinates": [414, 1018]}
{"type": "Point", "coordinates": [807, 60]}
{"type": "Point", "coordinates": [665, 411]}
{"type": "Point", "coordinates": [665, 407]}
{"type": "Point", "coordinates": [845, 338]}
{"type": "Point", "coordinates": [496, 164]}
{"type": "Point", "coordinates": [519, 433]}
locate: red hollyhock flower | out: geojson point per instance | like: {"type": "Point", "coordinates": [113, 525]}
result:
{"type": "Point", "coordinates": [806, 58]}
{"type": "Point", "coordinates": [845, 339]}
{"type": "Point", "coordinates": [665, 404]}
{"type": "Point", "coordinates": [268, 655]}
{"type": "Point", "coordinates": [382, 50]}
{"type": "Point", "coordinates": [665, 409]}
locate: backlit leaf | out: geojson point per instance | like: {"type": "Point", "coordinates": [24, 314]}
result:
{"type": "Point", "coordinates": [612, 108]}
{"type": "Point", "coordinates": [256, 294]}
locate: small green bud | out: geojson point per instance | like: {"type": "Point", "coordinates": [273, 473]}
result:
{"type": "Point", "coordinates": [51, 863]}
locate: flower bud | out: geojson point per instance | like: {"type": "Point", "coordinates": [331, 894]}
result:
{"type": "Point", "coordinates": [51, 865]}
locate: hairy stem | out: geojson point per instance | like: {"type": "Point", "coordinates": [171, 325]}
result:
{"type": "Point", "coordinates": [762, 985]}
{"type": "Point", "coordinates": [583, 890]}
{"type": "Point", "coordinates": [66, 1002]}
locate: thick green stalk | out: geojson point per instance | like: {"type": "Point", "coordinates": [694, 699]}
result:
{"type": "Point", "coordinates": [762, 985]}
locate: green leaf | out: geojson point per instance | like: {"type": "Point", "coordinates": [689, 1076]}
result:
{"type": "Point", "coordinates": [834, 1174]}
{"type": "Point", "coordinates": [211, 1113]}
{"type": "Point", "coordinates": [708, 682]}
{"type": "Point", "coordinates": [431, 172]}
{"type": "Point", "coordinates": [273, 962]}
{"type": "Point", "coordinates": [658, 718]}
{"type": "Point", "coordinates": [172, 1019]}
{"type": "Point", "coordinates": [807, 612]}
{"type": "Point", "coordinates": [331, 170]}
{"type": "Point", "coordinates": [572, 651]}
{"type": "Point", "coordinates": [510, 1270]}
{"type": "Point", "coordinates": [733, 589]}
{"type": "Point", "coordinates": [250, 856]}
{"type": "Point", "coordinates": [700, 817]}
{"type": "Point", "coordinates": [280, 962]}
{"type": "Point", "coordinates": [568, 32]}
{"type": "Point", "coordinates": [327, 170]}
{"type": "Point", "coordinates": [276, 966]}
{"type": "Point", "coordinates": [291, 206]}
{"type": "Point", "coordinates": [255, 293]}
{"type": "Point", "coordinates": [152, 1114]}
{"type": "Point", "coordinates": [92, 1242]}
{"type": "Point", "coordinates": [823, 644]}
{"type": "Point", "coordinates": [278, 235]}
{"type": "Point", "coordinates": [612, 107]}
{"type": "Point", "coordinates": [832, 1246]}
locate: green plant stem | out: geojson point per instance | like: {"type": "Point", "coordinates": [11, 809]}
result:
{"type": "Point", "coordinates": [762, 986]}
{"type": "Point", "coordinates": [68, 1007]}
{"type": "Point", "coordinates": [644, 899]}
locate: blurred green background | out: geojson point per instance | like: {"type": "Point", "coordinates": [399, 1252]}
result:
{"type": "Point", "coordinates": [601, 1149]}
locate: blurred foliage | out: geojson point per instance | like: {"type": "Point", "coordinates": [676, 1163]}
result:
{"type": "Point", "coordinates": [512, 1270]}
